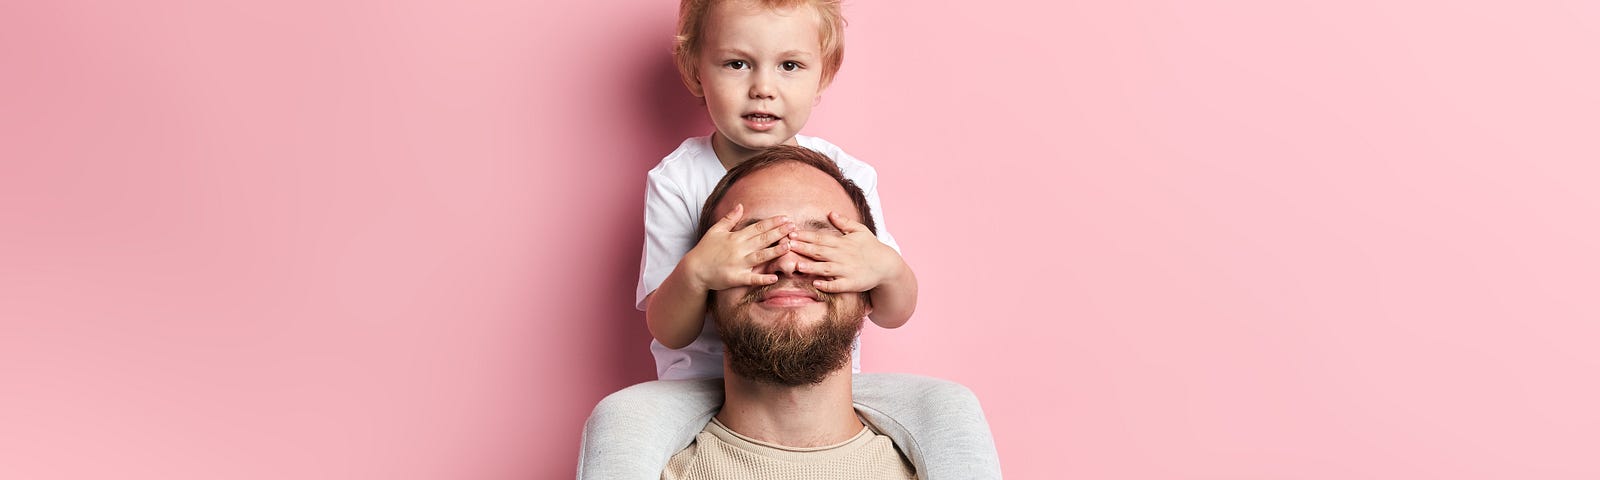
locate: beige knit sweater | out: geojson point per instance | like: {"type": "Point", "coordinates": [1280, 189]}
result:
{"type": "Point", "coordinates": [720, 453]}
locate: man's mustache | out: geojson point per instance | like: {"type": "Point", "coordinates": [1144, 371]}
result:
{"type": "Point", "coordinates": [756, 293]}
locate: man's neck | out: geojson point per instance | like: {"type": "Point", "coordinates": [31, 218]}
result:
{"type": "Point", "coordinates": [803, 416]}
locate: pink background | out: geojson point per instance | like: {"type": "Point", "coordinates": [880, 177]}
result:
{"type": "Point", "coordinates": [1160, 239]}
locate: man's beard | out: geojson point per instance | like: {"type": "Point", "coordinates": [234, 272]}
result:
{"type": "Point", "coordinates": [785, 353]}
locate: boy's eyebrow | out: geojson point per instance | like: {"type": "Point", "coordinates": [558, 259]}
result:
{"type": "Point", "coordinates": [735, 52]}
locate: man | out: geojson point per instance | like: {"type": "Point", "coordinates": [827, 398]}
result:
{"type": "Point", "coordinates": [788, 408]}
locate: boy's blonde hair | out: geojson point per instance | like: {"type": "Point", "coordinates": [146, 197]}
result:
{"type": "Point", "coordinates": [691, 22]}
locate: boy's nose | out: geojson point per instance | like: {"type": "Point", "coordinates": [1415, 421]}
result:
{"type": "Point", "coordinates": [761, 87]}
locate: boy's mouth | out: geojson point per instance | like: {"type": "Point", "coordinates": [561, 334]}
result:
{"type": "Point", "coordinates": [761, 122]}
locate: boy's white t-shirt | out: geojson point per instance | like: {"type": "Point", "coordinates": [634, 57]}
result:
{"type": "Point", "coordinates": [675, 191]}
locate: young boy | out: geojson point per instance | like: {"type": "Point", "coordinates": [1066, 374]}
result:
{"type": "Point", "coordinates": [761, 66]}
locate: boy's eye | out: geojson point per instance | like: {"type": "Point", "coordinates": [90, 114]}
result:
{"type": "Point", "coordinates": [789, 66]}
{"type": "Point", "coordinates": [736, 64]}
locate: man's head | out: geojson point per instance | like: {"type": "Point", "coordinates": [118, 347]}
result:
{"type": "Point", "coordinates": [788, 333]}
{"type": "Point", "coordinates": [761, 65]}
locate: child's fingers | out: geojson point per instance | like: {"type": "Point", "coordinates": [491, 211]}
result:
{"type": "Point", "coordinates": [846, 225]}
{"type": "Point", "coordinates": [767, 254]}
{"type": "Point", "coordinates": [728, 221]}
{"type": "Point", "coordinates": [821, 269]}
{"type": "Point", "coordinates": [762, 279]}
{"type": "Point", "coordinates": [766, 226]}
{"type": "Point", "coordinates": [838, 285]}
{"type": "Point", "coordinates": [775, 234]}
{"type": "Point", "coordinates": [814, 237]}
{"type": "Point", "coordinates": [813, 251]}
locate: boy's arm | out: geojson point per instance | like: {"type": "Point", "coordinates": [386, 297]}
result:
{"type": "Point", "coordinates": [675, 312]}
{"type": "Point", "coordinates": [895, 299]}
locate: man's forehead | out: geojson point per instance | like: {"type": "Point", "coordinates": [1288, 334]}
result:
{"type": "Point", "coordinates": [791, 189]}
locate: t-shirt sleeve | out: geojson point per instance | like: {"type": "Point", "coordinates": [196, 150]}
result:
{"type": "Point", "coordinates": [668, 233]}
{"type": "Point", "coordinates": [867, 178]}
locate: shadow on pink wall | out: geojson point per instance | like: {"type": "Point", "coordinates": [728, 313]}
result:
{"type": "Point", "coordinates": [670, 115]}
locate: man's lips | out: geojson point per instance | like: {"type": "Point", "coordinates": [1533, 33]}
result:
{"type": "Point", "coordinates": [789, 298]}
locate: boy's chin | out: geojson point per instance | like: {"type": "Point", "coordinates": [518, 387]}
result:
{"type": "Point", "coordinates": [758, 140]}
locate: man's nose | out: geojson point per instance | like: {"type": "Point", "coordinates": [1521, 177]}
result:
{"type": "Point", "coordinates": [787, 264]}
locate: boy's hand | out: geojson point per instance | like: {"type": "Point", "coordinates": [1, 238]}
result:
{"type": "Point", "coordinates": [856, 262]}
{"type": "Point", "coordinates": [726, 258]}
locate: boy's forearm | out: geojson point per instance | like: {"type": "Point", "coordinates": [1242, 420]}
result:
{"type": "Point", "coordinates": [894, 301]}
{"type": "Point", "coordinates": [675, 312]}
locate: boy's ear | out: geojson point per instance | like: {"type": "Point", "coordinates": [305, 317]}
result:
{"type": "Point", "coordinates": [694, 86]}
